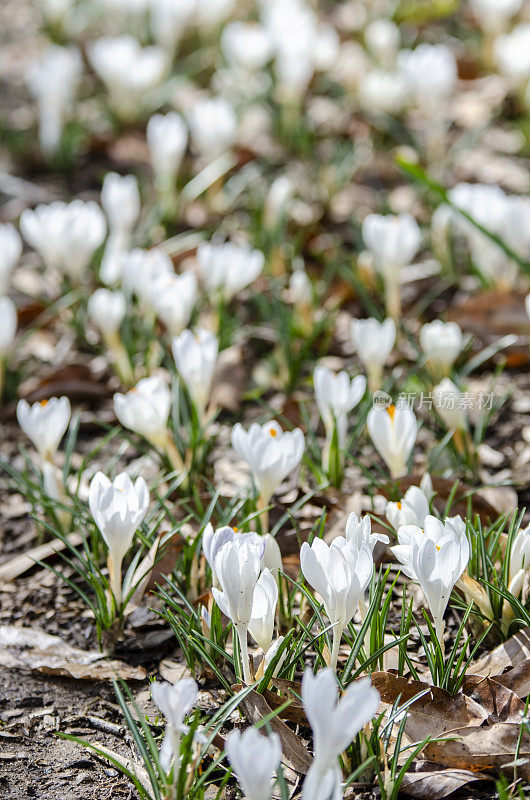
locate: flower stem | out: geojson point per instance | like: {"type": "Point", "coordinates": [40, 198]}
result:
{"type": "Point", "coordinates": [337, 636]}
{"type": "Point", "coordinates": [243, 647]}
{"type": "Point", "coordinates": [120, 357]}
{"type": "Point", "coordinates": [173, 454]}
{"type": "Point", "coordinates": [392, 297]}
{"type": "Point", "coordinates": [263, 517]}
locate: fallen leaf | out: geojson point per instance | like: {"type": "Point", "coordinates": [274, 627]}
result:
{"type": "Point", "coordinates": [28, 649]}
{"type": "Point", "coordinates": [160, 560]}
{"type": "Point", "coordinates": [295, 754]}
{"type": "Point", "coordinates": [517, 679]}
{"type": "Point", "coordinates": [511, 653]}
{"type": "Point", "coordinates": [488, 748]}
{"type": "Point", "coordinates": [501, 703]}
{"type": "Point", "coordinates": [435, 784]}
{"type": "Point", "coordinates": [435, 713]}
{"type": "Point", "coordinates": [173, 671]}
{"type": "Point", "coordinates": [19, 564]}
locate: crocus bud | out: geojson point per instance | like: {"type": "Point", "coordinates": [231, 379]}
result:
{"type": "Point", "coordinates": [118, 509]}
{"type": "Point", "coordinates": [441, 342]}
{"type": "Point", "coordinates": [254, 759]}
{"type": "Point", "coordinates": [175, 701]}
{"type": "Point", "coordinates": [448, 406]}
{"type": "Point", "coordinates": [412, 509]}
{"type": "Point", "coordinates": [393, 431]}
{"type": "Point", "coordinates": [340, 574]}
{"type": "Point", "coordinates": [209, 14]}
{"type": "Point", "coordinates": [10, 252]}
{"type": "Point", "coordinates": [145, 409]}
{"type": "Point", "coordinates": [167, 136]}
{"type": "Point", "coordinates": [227, 268]}
{"type": "Point", "coordinates": [143, 271]}
{"type": "Point", "coordinates": [359, 532]}
{"type": "Point", "coordinates": [173, 299]}
{"type": "Point", "coordinates": [519, 560]}
{"type": "Point", "coordinates": [120, 199]}
{"type": "Point", "coordinates": [66, 235]}
{"type": "Point", "coordinates": [53, 81]}
{"type": "Point", "coordinates": [129, 71]}
{"type": "Point", "coordinates": [195, 356]}
{"type": "Point", "coordinates": [436, 557]}
{"type": "Point", "coordinates": [8, 325]}
{"type": "Point", "coordinates": [335, 724]}
{"type": "Point", "coordinates": [45, 423]}
{"type": "Point", "coordinates": [393, 241]}
{"type": "Point", "coordinates": [264, 602]}
{"type": "Point", "coordinates": [373, 342]}
{"type": "Point", "coordinates": [336, 396]}
{"type": "Point", "coordinates": [213, 127]}
{"type": "Point", "coordinates": [270, 453]}
{"type": "Point", "coordinates": [237, 567]}
{"type": "Point", "coordinates": [107, 310]}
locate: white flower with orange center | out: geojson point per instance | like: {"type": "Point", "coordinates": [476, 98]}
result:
{"type": "Point", "coordinates": [45, 423]}
{"type": "Point", "coordinates": [393, 431]}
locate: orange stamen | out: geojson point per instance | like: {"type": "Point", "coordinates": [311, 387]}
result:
{"type": "Point", "coordinates": [391, 410]}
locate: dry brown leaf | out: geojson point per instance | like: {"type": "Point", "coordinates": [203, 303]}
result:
{"type": "Point", "coordinates": [173, 671]}
{"type": "Point", "coordinates": [511, 653]}
{"type": "Point", "coordinates": [501, 703]}
{"type": "Point", "coordinates": [436, 713]}
{"type": "Point", "coordinates": [19, 564]}
{"type": "Point", "coordinates": [28, 649]}
{"type": "Point", "coordinates": [287, 691]}
{"type": "Point", "coordinates": [517, 679]}
{"type": "Point", "coordinates": [160, 560]}
{"type": "Point", "coordinates": [488, 748]}
{"type": "Point", "coordinates": [438, 783]}
{"type": "Point", "coordinates": [295, 754]}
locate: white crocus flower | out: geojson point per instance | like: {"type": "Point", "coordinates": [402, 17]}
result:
{"type": "Point", "coordinates": [175, 701]}
{"type": "Point", "coordinates": [227, 268]}
{"type": "Point", "coordinates": [272, 454]}
{"type": "Point", "coordinates": [55, 12]}
{"type": "Point", "coordinates": [143, 270]}
{"type": "Point", "coordinates": [107, 310]}
{"type": "Point", "coordinates": [130, 73]}
{"type": "Point", "coordinates": [66, 235]}
{"type": "Point", "coordinates": [519, 561]}
{"type": "Point", "coordinates": [120, 199]}
{"type": "Point", "coordinates": [145, 410]}
{"type": "Point", "coordinates": [373, 342]}
{"type": "Point", "coordinates": [494, 16]}
{"type": "Point", "coordinates": [8, 325]}
{"type": "Point", "coordinates": [237, 567]}
{"type": "Point", "coordinates": [254, 759]}
{"type": "Point", "coordinates": [385, 91]}
{"type": "Point", "coordinates": [441, 342]}
{"type": "Point", "coordinates": [512, 54]}
{"type": "Point", "coordinates": [167, 137]}
{"type": "Point", "coordinates": [393, 431]}
{"type": "Point", "coordinates": [8, 331]}
{"type": "Point", "coordinates": [340, 573]}
{"type": "Point", "coordinates": [53, 81]}
{"type": "Point", "coordinates": [45, 423]}
{"type": "Point", "coordinates": [213, 127]}
{"type": "Point", "coordinates": [412, 509]}
{"type": "Point", "coordinates": [431, 72]}
{"type": "Point", "coordinates": [169, 21]}
{"type": "Point", "coordinates": [336, 396]}
{"type": "Point", "coordinates": [246, 45]}
{"type": "Point", "coordinates": [446, 397]}
{"type": "Point", "coordinates": [335, 723]}
{"type": "Point", "coordinates": [359, 532]}
{"type": "Point", "coordinates": [173, 299]}
{"type": "Point", "coordinates": [264, 602]}
{"type": "Point", "coordinates": [10, 252]}
{"type": "Point", "coordinates": [393, 242]}
{"type": "Point", "coordinates": [383, 38]}
{"type": "Point", "coordinates": [195, 356]}
{"type": "Point", "coordinates": [118, 509]}
{"type": "Point", "coordinates": [435, 556]}
{"type": "Point", "coordinates": [214, 539]}
{"type": "Point", "coordinates": [209, 14]}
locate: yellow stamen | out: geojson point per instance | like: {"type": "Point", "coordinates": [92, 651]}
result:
{"type": "Point", "coordinates": [273, 432]}
{"type": "Point", "coordinates": [399, 505]}
{"type": "Point", "coordinates": [235, 530]}
{"type": "Point", "coordinates": [391, 410]}
{"type": "Point", "coordinates": [44, 403]}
